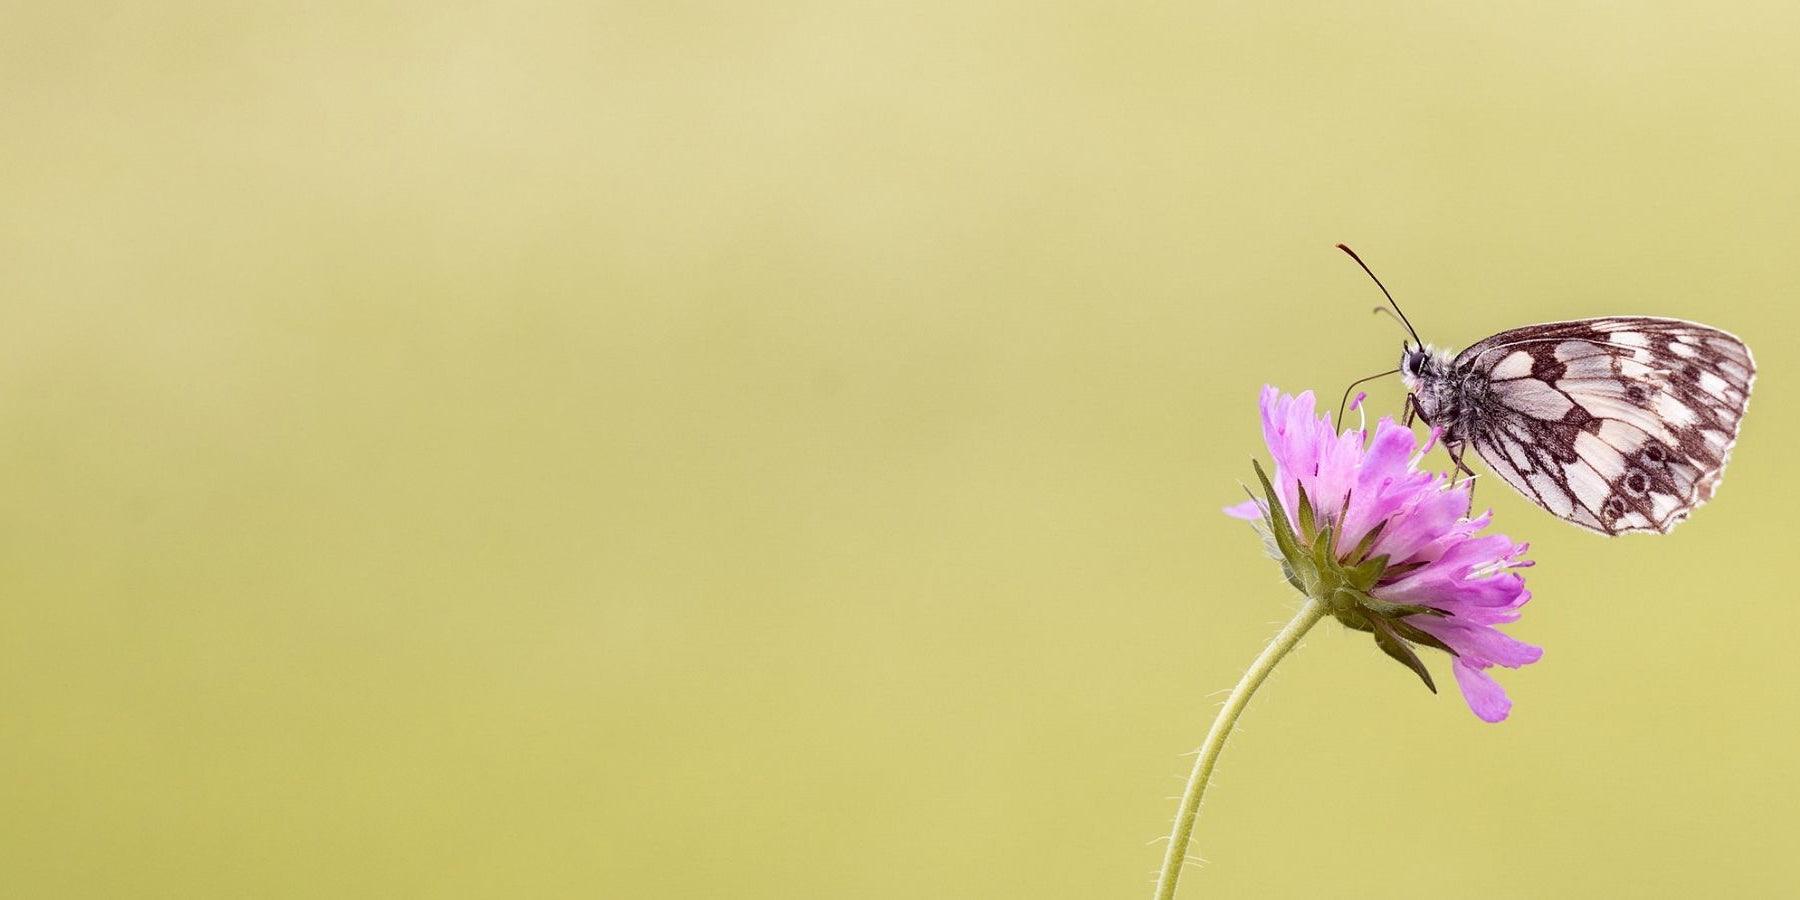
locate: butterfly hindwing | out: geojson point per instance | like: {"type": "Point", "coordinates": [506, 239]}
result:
{"type": "Point", "coordinates": [1616, 424]}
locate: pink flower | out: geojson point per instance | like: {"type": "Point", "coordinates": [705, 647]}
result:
{"type": "Point", "coordinates": [1390, 549]}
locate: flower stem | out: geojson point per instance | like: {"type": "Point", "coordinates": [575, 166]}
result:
{"type": "Point", "coordinates": [1183, 832]}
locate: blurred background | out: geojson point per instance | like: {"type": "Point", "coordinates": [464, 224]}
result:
{"type": "Point", "coordinates": [776, 450]}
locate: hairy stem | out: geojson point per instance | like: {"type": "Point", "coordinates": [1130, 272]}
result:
{"type": "Point", "coordinates": [1183, 832]}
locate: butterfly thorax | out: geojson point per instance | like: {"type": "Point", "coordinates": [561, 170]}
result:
{"type": "Point", "coordinates": [1445, 397]}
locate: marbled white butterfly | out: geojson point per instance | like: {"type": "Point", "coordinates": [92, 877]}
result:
{"type": "Point", "coordinates": [1617, 424]}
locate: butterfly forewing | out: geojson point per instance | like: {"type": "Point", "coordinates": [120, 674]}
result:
{"type": "Point", "coordinates": [1616, 424]}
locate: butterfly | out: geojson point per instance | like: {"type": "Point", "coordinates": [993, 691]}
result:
{"type": "Point", "coordinates": [1617, 424]}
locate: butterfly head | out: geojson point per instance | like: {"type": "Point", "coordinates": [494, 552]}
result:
{"type": "Point", "coordinates": [1420, 363]}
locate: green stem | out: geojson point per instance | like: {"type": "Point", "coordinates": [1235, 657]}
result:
{"type": "Point", "coordinates": [1183, 832]}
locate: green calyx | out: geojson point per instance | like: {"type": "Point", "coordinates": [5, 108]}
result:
{"type": "Point", "coordinates": [1311, 560]}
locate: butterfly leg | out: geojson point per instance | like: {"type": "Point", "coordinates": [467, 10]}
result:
{"type": "Point", "coordinates": [1456, 457]}
{"type": "Point", "coordinates": [1414, 411]}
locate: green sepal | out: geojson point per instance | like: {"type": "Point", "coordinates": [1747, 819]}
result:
{"type": "Point", "coordinates": [1342, 517]}
{"type": "Point", "coordinates": [1418, 635]}
{"type": "Point", "coordinates": [1308, 521]}
{"type": "Point", "coordinates": [1363, 575]}
{"type": "Point", "coordinates": [1322, 559]}
{"type": "Point", "coordinates": [1386, 609]}
{"type": "Point", "coordinates": [1266, 530]}
{"type": "Point", "coordinates": [1404, 569]}
{"type": "Point", "coordinates": [1287, 572]}
{"type": "Point", "coordinates": [1368, 541]}
{"type": "Point", "coordinates": [1393, 645]}
{"type": "Point", "coordinates": [1286, 542]}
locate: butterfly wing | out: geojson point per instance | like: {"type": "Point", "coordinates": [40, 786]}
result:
{"type": "Point", "coordinates": [1616, 424]}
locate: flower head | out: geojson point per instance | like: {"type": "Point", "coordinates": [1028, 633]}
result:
{"type": "Point", "coordinates": [1390, 549]}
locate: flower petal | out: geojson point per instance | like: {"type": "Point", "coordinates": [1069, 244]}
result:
{"type": "Point", "coordinates": [1249, 509]}
{"type": "Point", "coordinates": [1486, 699]}
{"type": "Point", "coordinates": [1481, 642]}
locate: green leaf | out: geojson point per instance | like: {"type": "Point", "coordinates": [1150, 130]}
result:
{"type": "Point", "coordinates": [1391, 644]}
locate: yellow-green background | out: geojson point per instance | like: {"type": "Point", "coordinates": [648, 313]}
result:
{"type": "Point", "coordinates": [753, 451]}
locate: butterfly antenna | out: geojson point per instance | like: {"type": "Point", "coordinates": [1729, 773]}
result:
{"type": "Point", "coordinates": [1384, 311]}
{"type": "Point", "coordinates": [1342, 403]}
{"type": "Point", "coordinates": [1384, 293]}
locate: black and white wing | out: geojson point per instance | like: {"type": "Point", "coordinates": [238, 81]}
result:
{"type": "Point", "coordinates": [1616, 424]}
